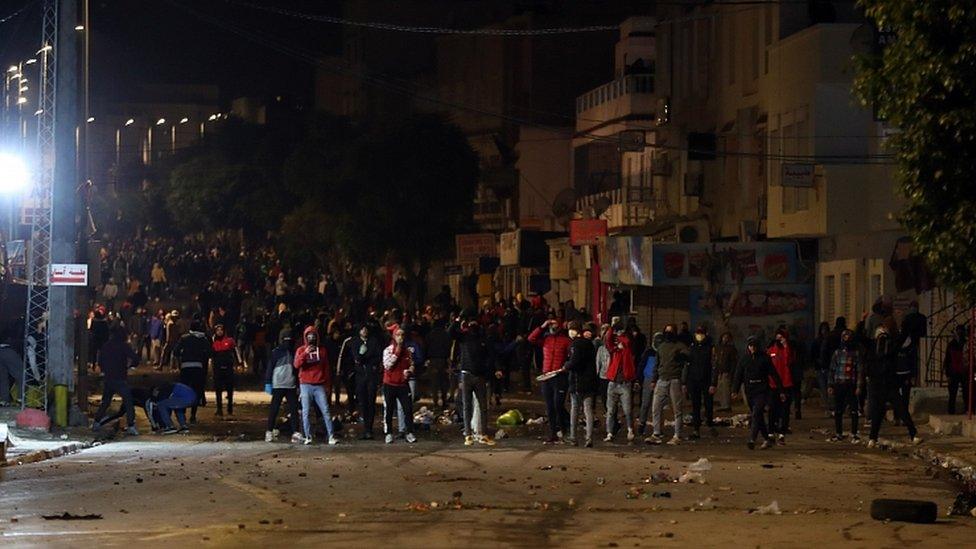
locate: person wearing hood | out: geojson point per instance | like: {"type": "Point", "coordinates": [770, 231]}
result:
{"type": "Point", "coordinates": [621, 374]}
{"type": "Point", "coordinates": [647, 364]}
{"type": "Point", "coordinates": [783, 356]}
{"type": "Point", "coordinates": [280, 382]}
{"type": "Point", "coordinates": [845, 383]}
{"type": "Point", "coordinates": [883, 384]}
{"type": "Point", "coordinates": [312, 363]}
{"type": "Point", "coordinates": [168, 399]}
{"type": "Point", "coordinates": [726, 360]}
{"type": "Point", "coordinates": [193, 351]}
{"type": "Point", "coordinates": [362, 354]}
{"type": "Point", "coordinates": [698, 383]}
{"type": "Point", "coordinates": [583, 381]}
{"type": "Point", "coordinates": [473, 364]}
{"type": "Point", "coordinates": [672, 357]}
{"type": "Point", "coordinates": [114, 359]}
{"type": "Point", "coordinates": [555, 346]}
{"type": "Point", "coordinates": [398, 368]}
{"type": "Point", "coordinates": [226, 357]}
{"type": "Point", "coordinates": [754, 372]}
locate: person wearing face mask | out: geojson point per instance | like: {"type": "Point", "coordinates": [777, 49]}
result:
{"type": "Point", "coordinates": [361, 353]}
{"type": "Point", "coordinates": [696, 381]}
{"type": "Point", "coordinates": [583, 382]}
{"type": "Point", "coordinates": [621, 374]}
{"type": "Point", "coordinates": [555, 348]}
{"type": "Point", "coordinates": [754, 373]}
{"type": "Point", "coordinates": [225, 357]}
{"type": "Point", "coordinates": [647, 364]}
{"type": "Point", "coordinates": [398, 368]}
{"type": "Point", "coordinates": [844, 383]}
{"type": "Point", "coordinates": [782, 355]}
{"type": "Point", "coordinates": [883, 384]}
{"type": "Point", "coordinates": [672, 356]}
{"type": "Point", "coordinates": [312, 363]}
{"type": "Point", "coordinates": [473, 363]}
{"type": "Point", "coordinates": [280, 383]}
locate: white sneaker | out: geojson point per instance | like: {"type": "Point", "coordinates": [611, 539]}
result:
{"type": "Point", "coordinates": [307, 440]}
{"type": "Point", "coordinates": [608, 438]}
{"type": "Point", "coordinates": [855, 439]}
{"type": "Point", "coordinates": [674, 441]}
{"type": "Point", "coordinates": [333, 441]}
{"type": "Point", "coordinates": [388, 439]}
{"type": "Point", "coordinates": [872, 443]}
{"type": "Point", "coordinates": [916, 440]}
{"type": "Point", "coordinates": [411, 438]}
{"type": "Point", "coordinates": [269, 436]}
{"type": "Point", "coordinates": [630, 435]}
{"type": "Point", "coordinates": [297, 437]}
{"type": "Point", "coordinates": [275, 433]}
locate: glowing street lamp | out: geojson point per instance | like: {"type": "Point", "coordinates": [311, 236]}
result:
{"type": "Point", "coordinates": [14, 176]}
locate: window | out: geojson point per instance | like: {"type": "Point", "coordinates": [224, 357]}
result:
{"type": "Point", "coordinates": [830, 298]}
{"type": "Point", "coordinates": [845, 295]}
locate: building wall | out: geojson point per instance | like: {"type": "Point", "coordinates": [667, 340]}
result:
{"type": "Point", "coordinates": [543, 164]}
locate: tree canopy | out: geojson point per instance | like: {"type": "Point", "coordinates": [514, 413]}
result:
{"type": "Point", "coordinates": [924, 83]}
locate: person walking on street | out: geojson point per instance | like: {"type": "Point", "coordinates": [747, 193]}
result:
{"type": "Point", "coordinates": [280, 382]}
{"type": "Point", "coordinates": [621, 374]}
{"type": "Point", "coordinates": [555, 348]}
{"type": "Point", "coordinates": [844, 383]}
{"type": "Point", "coordinates": [193, 351]}
{"type": "Point", "coordinates": [397, 369]}
{"type": "Point", "coordinates": [647, 364]}
{"type": "Point", "coordinates": [114, 359]}
{"type": "Point", "coordinates": [672, 357]}
{"type": "Point", "coordinates": [583, 382]}
{"type": "Point", "coordinates": [754, 373]}
{"type": "Point", "coordinates": [312, 363]}
{"type": "Point", "coordinates": [226, 357]}
{"type": "Point", "coordinates": [782, 355]}
{"type": "Point", "coordinates": [474, 370]}
{"type": "Point", "coordinates": [883, 384]}
{"type": "Point", "coordinates": [699, 383]}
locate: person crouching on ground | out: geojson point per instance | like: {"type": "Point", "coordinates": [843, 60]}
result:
{"type": "Point", "coordinates": [312, 363]}
{"type": "Point", "coordinates": [397, 369]}
{"type": "Point", "coordinates": [756, 372]}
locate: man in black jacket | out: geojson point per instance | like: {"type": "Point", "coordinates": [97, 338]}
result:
{"type": "Point", "coordinates": [583, 380]}
{"type": "Point", "coordinates": [473, 364]}
{"type": "Point", "coordinates": [698, 381]}
{"type": "Point", "coordinates": [364, 354]}
{"type": "Point", "coordinates": [193, 352]}
{"type": "Point", "coordinates": [754, 371]}
{"type": "Point", "coordinates": [883, 385]}
{"type": "Point", "coordinates": [114, 359]}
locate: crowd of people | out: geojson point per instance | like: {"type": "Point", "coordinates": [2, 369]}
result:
{"type": "Point", "coordinates": [332, 349]}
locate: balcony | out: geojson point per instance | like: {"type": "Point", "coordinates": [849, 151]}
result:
{"type": "Point", "coordinates": [630, 206]}
{"type": "Point", "coordinates": [630, 94]}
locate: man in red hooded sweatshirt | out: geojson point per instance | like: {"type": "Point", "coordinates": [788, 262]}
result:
{"type": "Point", "coordinates": [397, 370]}
{"type": "Point", "coordinates": [782, 355]}
{"type": "Point", "coordinates": [555, 350]}
{"type": "Point", "coordinates": [312, 363]}
{"type": "Point", "coordinates": [621, 374]}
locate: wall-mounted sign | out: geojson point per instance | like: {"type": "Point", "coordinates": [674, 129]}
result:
{"type": "Point", "coordinates": [68, 274]}
{"type": "Point", "coordinates": [586, 232]}
{"type": "Point", "coordinates": [472, 247]}
{"type": "Point", "coordinates": [798, 175]}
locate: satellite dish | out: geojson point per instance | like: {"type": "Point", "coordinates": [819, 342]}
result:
{"type": "Point", "coordinates": [601, 205]}
{"type": "Point", "coordinates": [564, 205]}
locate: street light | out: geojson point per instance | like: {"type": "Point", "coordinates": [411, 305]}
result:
{"type": "Point", "coordinates": [14, 177]}
{"type": "Point", "coordinates": [184, 120]}
{"type": "Point", "coordinates": [161, 121]}
{"type": "Point", "coordinates": [90, 119]}
{"type": "Point", "coordinates": [130, 122]}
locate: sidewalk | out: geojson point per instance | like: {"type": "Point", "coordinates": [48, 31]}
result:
{"type": "Point", "coordinates": [30, 446]}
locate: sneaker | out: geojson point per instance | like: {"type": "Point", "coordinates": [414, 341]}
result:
{"type": "Point", "coordinates": [551, 441]}
{"type": "Point", "coordinates": [297, 437]}
{"type": "Point", "coordinates": [766, 445]}
{"type": "Point", "coordinates": [132, 431]}
{"type": "Point", "coordinates": [307, 440]}
{"type": "Point", "coordinates": [916, 440]}
{"type": "Point", "coordinates": [388, 439]}
{"type": "Point", "coordinates": [333, 441]}
{"type": "Point", "coordinates": [781, 440]}
{"type": "Point", "coordinates": [630, 435]}
{"type": "Point", "coordinates": [836, 438]}
{"type": "Point", "coordinates": [411, 438]}
{"type": "Point", "coordinates": [675, 440]}
{"type": "Point", "coordinates": [486, 440]}
{"type": "Point", "coordinates": [872, 443]}
{"type": "Point", "coordinates": [570, 440]}
{"type": "Point", "coordinates": [275, 433]}
{"type": "Point", "coordinates": [588, 443]}
{"type": "Point", "coordinates": [608, 438]}
{"type": "Point", "coordinates": [855, 439]}
{"type": "Point", "coordinates": [184, 429]}
{"type": "Point", "coordinates": [95, 425]}
{"type": "Point", "coordinates": [468, 440]}
{"type": "Point", "coordinates": [751, 444]}
{"type": "Point", "coordinates": [654, 439]}
{"type": "Point", "coordinates": [170, 431]}
{"type": "Point", "coordinates": [269, 436]}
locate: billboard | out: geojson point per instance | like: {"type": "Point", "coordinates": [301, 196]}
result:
{"type": "Point", "coordinates": [626, 260]}
{"type": "Point", "coordinates": [472, 247]}
{"type": "Point", "coordinates": [586, 232]}
{"type": "Point", "coordinates": [759, 311]}
{"type": "Point", "coordinates": [760, 262]}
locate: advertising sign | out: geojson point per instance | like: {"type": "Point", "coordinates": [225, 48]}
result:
{"type": "Point", "coordinates": [626, 260]}
{"type": "Point", "coordinates": [471, 247]}
{"type": "Point", "coordinates": [760, 262]}
{"type": "Point", "coordinates": [759, 311]}
{"type": "Point", "coordinates": [798, 175]}
{"type": "Point", "coordinates": [586, 232]}
{"type": "Point", "coordinates": [508, 249]}
{"type": "Point", "coordinates": [68, 274]}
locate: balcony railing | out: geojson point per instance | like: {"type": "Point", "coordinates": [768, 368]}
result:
{"type": "Point", "coordinates": [627, 85]}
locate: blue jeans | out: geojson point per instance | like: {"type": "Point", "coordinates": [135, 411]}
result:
{"type": "Point", "coordinates": [317, 393]}
{"type": "Point", "coordinates": [179, 400]}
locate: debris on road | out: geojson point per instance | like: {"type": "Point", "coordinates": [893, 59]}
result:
{"type": "Point", "coordinates": [904, 510]}
{"type": "Point", "coordinates": [68, 516]}
{"type": "Point", "coordinates": [500, 434]}
{"type": "Point", "coordinates": [691, 477]}
{"type": "Point", "coordinates": [510, 418]}
{"type": "Point", "coordinates": [771, 509]}
{"type": "Point", "coordinates": [706, 504]}
{"type": "Point", "coordinates": [700, 466]}
{"type": "Point", "coordinates": [541, 420]}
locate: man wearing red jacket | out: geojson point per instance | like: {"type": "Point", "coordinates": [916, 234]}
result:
{"type": "Point", "coordinates": [312, 363]}
{"type": "Point", "coordinates": [397, 370]}
{"type": "Point", "coordinates": [621, 374]}
{"type": "Point", "coordinates": [782, 355]}
{"type": "Point", "coordinates": [555, 350]}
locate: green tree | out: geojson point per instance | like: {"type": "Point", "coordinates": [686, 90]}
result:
{"type": "Point", "coordinates": [924, 83]}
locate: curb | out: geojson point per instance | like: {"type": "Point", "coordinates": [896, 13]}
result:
{"type": "Point", "coordinates": [43, 455]}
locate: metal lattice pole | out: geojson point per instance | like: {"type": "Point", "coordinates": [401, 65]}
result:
{"type": "Point", "coordinates": [34, 393]}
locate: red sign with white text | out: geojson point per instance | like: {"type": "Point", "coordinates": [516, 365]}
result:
{"type": "Point", "coordinates": [586, 232]}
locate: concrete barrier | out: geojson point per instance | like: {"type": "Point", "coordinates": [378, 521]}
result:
{"type": "Point", "coordinates": [926, 401]}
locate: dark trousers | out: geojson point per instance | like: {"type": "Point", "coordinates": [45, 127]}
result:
{"type": "Point", "coordinates": [438, 381]}
{"type": "Point", "coordinates": [392, 394]}
{"type": "Point", "coordinates": [366, 397]}
{"type": "Point", "coordinates": [880, 396]}
{"type": "Point", "coordinates": [844, 398]}
{"type": "Point", "coordinates": [194, 378]}
{"type": "Point", "coordinates": [779, 412]}
{"type": "Point", "coordinates": [110, 389]}
{"type": "Point", "coordinates": [698, 395]}
{"type": "Point", "coordinates": [474, 388]}
{"type": "Point", "coordinates": [956, 384]}
{"type": "Point", "coordinates": [277, 395]}
{"type": "Point", "coordinates": [554, 391]}
{"type": "Point", "coordinates": [224, 381]}
{"type": "Point", "coordinates": [757, 415]}
{"type": "Point", "coordinates": [797, 400]}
